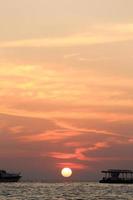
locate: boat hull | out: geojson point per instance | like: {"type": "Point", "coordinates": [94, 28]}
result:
{"type": "Point", "coordinates": [116, 181]}
{"type": "Point", "coordinates": [10, 179]}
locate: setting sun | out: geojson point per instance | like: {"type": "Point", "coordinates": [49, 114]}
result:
{"type": "Point", "coordinates": [66, 172]}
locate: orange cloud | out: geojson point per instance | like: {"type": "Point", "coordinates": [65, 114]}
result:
{"type": "Point", "coordinates": [100, 34]}
{"type": "Point", "coordinates": [52, 136]}
{"type": "Point", "coordinates": [40, 93]}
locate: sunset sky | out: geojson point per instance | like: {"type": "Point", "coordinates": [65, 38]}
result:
{"type": "Point", "coordinates": [66, 86]}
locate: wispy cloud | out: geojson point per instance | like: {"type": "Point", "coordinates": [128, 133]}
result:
{"type": "Point", "coordinates": [72, 165]}
{"type": "Point", "coordinates": [99, 34]}
{"type": "Point", "coordinates": [79, 153]}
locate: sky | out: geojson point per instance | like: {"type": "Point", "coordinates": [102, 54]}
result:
{"type": "Point", "coordinates": [66, 100]}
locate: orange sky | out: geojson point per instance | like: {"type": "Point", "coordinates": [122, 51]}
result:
{"type": "Point", "coordinates": [66, 85]}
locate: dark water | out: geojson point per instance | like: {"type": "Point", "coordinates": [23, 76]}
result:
{"type": "Point", "coordinates": [65, 191]}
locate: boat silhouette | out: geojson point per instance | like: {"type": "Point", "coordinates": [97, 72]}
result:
{"type": "Point", "coordinates": [117, 176]}
{"type": "Point", "coordinates": [9, 177]}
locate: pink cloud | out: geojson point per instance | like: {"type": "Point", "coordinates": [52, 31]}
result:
{"type": "Point", "coordinates": [59, 155]}
{"type": "Point", "coordinates": [79, 152]}
{"type": "Point", "coordinates": [72, 144]}
{"type": "Point", "coordinates": [72, 165]}
{"type": "Point", "coordinates": [53, 136]}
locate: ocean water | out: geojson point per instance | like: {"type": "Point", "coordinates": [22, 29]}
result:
{"type": "Point", "coordinates": [65, 191]}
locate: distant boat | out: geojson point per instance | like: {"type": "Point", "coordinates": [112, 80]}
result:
{"type": "Point", "coordinates": [9, 177]}
{"type": "Point", "coordinates": [117, 176]}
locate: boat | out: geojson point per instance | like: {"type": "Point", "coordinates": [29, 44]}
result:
{"type": "Point", "coordinates": [117, 176]}
{"type": "Point", "coordinates": [9, 177]}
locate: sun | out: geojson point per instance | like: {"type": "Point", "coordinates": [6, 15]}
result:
{"type": "Point", "coordinates": [66, 172]}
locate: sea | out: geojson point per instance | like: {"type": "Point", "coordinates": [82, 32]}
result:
{"type": "Point", "coordinates": [65, 191]}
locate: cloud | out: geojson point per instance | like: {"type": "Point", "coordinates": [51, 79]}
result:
{"type": "Point", "coordinates": [16, 129]}
{"type": "Point", "coordinates": [130, 140]}
{"type": "Point", "coordinates": [59, 155]}
{"type": "Point", "coordinates": [97, 35]}
{"type": "Point", "coordinates": [71, 55]}
{"type": "Point", "coordinates": [62, 146]}
{"type": "Point", "coordinates": [51, 136]}
{"type": "Point", "coordinates": [71, 127]}
{"type": "Point", "coordinates": [79, 153]}
{"type": "Point", "coordinates": [40, 93]}
{"type": "Point", "coordinates": [72, 165]}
